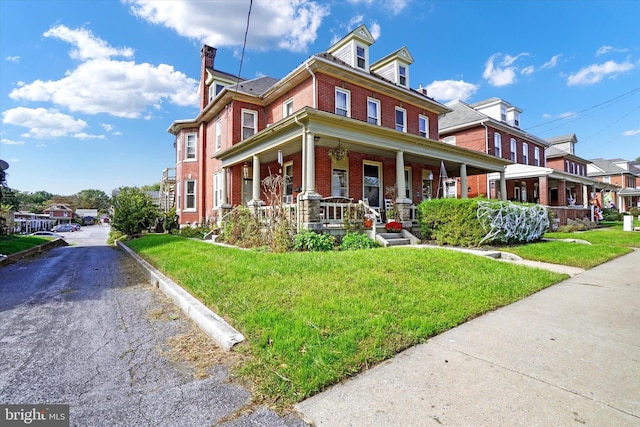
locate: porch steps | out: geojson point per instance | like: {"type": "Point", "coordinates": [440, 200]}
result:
{"type": "Point", "coordinates": [396, 239]}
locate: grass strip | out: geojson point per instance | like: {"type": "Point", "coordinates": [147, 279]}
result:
{"type": "Point", "coordinates": [613, 236]}
{"type": "Point", "coordinates": [13, 243]}
{"type": "Point", "coordinates": [314, 319]}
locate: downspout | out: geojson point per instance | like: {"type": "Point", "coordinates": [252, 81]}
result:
{"type": "Point", "coordinates": [315, 89]}
{"type": "Point", "coordinates": [201, 184]}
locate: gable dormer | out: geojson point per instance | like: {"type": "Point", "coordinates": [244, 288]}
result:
{"type": "Point", "coordinates": [354, 48]}
{"type": "Point", "coordinates": [500, 110]}
{"type": "Point", "coordinates": [395, 67]}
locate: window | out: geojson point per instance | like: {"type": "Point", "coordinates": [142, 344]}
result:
{"type": "Point", "coordinates": [361, 58]}
{"type": "Point", "coordinates": [218, 134]}
{"type": "Point", "coordinates": [372, 180]}
{"type": "Point", "coordinates": [503, 114]}
{"type": "Point", "coordinates": [401, 119]}
{"type": "Point", "coordinates": [514, 156]}
{"type": "Point", "coordinates": [402, 75]}
{"type": "Point", "coordinates": [178, 149]}
{"type": "Point", "coordinates": [217, 189]}
{"type": "Point", "coordinates": [536, 156]}
{"type": "Point", "coordinates": [573, 167]}
{"type": "Point", "coordinates": [497, 144]}
{"type": "Point", "coordinates": [566, 165]}
{"type": "Point", "coordinates": [287, 191]}
{"type": "Point", "coordinates": [214, 89]}
{"type": "Point", "coordinates": [339, 182]}
{"type": "Point", "coordinates": [178, 197]}
{"type": "Point", "coordinates": [249, 123]}
{"type": "Point", "coordinates": [342, 103]}
{"type": "Point", "coordinates": [606, 179]}
{"type": "Point", "coordinates": [373, 111]}
{"type": "Point", "coordinates": [423, 126]}
{"type": "Point", "coordinates": [407, 182]}
{"type": "Point", "coordinates": [190, 195]}
{"type": "Point", "coordinates": [525, 153]}
{"type": "Point", "coordinates": [287, 108]}
{"type": "Point", "coordinates": [190, 147]}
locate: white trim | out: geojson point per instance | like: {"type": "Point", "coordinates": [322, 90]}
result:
{"type": "Point", "coordinates": [218, 129]}
{"type": "Point", "coordinates": [348, 101]}
{"type": "Point", "coordinates": [195, 147]}
{"type": "Point", "coordinates": [242, 124]}
{"type": "Point", "coordinates": [195, 193]}
{"type": "Point", "coordinates": [404, 119]}
{"type": "Point", "coordinates": [426, 125]}
{"type": "Point", "coordinates": [377, 103]}
{"type": "Point", "coordinates": [285, 105]}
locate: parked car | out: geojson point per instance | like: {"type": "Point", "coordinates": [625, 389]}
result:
{"type": "Point", "coordinates": [47, 234]}
{"type": "Point", "coordinates": [62, 228]}
{"type": "Point", "coordinates": [75, 226]}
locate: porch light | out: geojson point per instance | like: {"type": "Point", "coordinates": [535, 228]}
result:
{"type": "Point", "coordinates": [280, 159]}
{"type": "Point", "coordinates": [430, 178]}
{"type": "Point", "coordinates": [245, 171]}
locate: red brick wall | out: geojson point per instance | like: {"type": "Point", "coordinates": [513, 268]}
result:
{"type": "Point", "coordinates": [302, 96]}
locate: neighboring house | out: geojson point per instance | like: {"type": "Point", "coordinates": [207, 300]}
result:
{"type": "Point", "coordinates": [28, 222]}
{"type": "Point", "coordinates": [59, 213]}
{"type": "Point", "coordinates": [340, 126]}
{"type": "Point", "coordinates": [621, 173]}
{"type": "Point", "coordinates": [540, 171]}
{"type": "Point", "coordinates": [87, 216]}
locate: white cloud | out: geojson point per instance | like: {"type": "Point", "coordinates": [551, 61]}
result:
{"type": "Point", "coordinates": [631, 132]}
{"type": "Point", "coordinates": [12, 59]}
{"type": "Point", "coordinates": [87, 46]}
{"type": "Point", "coordinates": [606, 49]}
{"type": "Point", "coordinates": [83, 135]}
{"type": "Point", "coordinates": [596, 72]}
{"type": "Point", "coordinates": [527, 70]}
{"type": "Point", "coordinates": [292, 24]}
{"type": "Point", "coordinates": [375, 30]}
{"type": "Point", "coordinates": [393, 6]}
{"type": "Point", "coordinates": [552, 62]}
{"type": "Point", "coordinates": [107, 127]}
{"type": "Point", "coordinates": [103, 85]}
{"type": "Point", "coordinates": [11, 142]}
{"type": "Point", "coordinates": [448, 90]}
{"type": "Point", "coordinates": [43, 123]}
{"type": "Point", "coordinates": [504, 73]}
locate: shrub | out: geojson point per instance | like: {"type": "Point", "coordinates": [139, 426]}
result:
{"type": "Point", "coordinates": [393, 227]}
{"type": "Point", "coordinates": [134, 211]}
{"type": "Point", "coordinates": [354, 241]}
{"type": "Point", "coordinates": [634, 211]}
{"type": "Point", "coordinates": [611, 215]}
{"type": "Point", "coordinates": [308, 240]}
{"type": "Point", "coordinates": [115, 235]}
{"type": "Point", "coordinates": [242, 229]}
{"type": "Point", "coordinates": [450, 221]}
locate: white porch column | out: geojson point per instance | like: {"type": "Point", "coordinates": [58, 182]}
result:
{"type": "Point", "coordinates": [310, 167]}
{"type": "Point", "coordinates": [401, 185]}
{"type": "Point", "coordinates": [503, 186]}
{"type": "Point", "coordinates": [463, 181]}
{"type": "Point", "coordinates": [255, 193]}
{"type": "Point", "coordinates": [309, 200]}
{"type": "Point", "coordinates": [223, 196]}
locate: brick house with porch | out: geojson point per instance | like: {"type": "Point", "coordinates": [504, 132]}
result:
{"type": "Point", "coordinates": [338, 126]}
{"type": "Point", "coordinates": [540, 171]}
{"type": "Point", "coordinates": [623, 176]}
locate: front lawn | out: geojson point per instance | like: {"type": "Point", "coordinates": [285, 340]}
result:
{"type": "Point", "coordinates": [606, 244]}
{"type": "Point", "coordinates": [13, 243]}
{"type": "Point", "coordinates": [314, 319]}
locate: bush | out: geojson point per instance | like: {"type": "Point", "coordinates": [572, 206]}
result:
{"type": "Point", "coordinates": [450, 221]}
{"type": "Point", "coordinates": [194, 232]}
{"type": "Point", "coordinates": [354, 241]}
{"type": "Point", "coordinates": [115, 235]}
{"type": "Point", "coordinates": [308, 240]}
{"type": "Point", "coordinates": [242, 229]}
{"type": "Point", "coordinates": [634, 212]}
{"type": "Point", "coordinates": [611, 215]}
{"type": "Point", "coordinates": [134, 211]}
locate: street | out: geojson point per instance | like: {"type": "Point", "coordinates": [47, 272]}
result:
{"type": "Point", "coordinates": [80, 326]}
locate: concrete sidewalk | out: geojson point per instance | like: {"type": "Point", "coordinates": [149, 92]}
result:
{"type": "Point", "coordinates": [566, 356]}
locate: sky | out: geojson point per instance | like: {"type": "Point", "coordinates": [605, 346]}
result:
{"type": "Point", "coordinates": [88, 89]}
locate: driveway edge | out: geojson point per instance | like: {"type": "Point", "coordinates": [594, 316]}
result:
{"type": "Point", "coordinates": [8, 259]}
{"type": "Point", "coordinates": [211, 324]}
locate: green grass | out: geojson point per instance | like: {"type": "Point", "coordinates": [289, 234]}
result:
{"type": "Point", "coordinates": [11, 244]}
{"type": "Point", "coordinates": [314, 319]}
{"type": "Point", "coordinates": [606, 244]}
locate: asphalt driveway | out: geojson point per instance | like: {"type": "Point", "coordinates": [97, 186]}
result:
{"type": "Point", "coordinates": [79, 326]}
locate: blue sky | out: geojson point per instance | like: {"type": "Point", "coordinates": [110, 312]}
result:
{"type": "Point", "coordinates": [89, 88]}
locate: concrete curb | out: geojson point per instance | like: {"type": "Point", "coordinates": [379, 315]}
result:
{"type": "Point", "coordinates": [211, 324]}
{"type": "Point", "coordinates": [8, 259]}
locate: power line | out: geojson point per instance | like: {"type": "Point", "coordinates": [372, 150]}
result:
{"type": "Point", "coordinates": [244, 45]}
{"type": "Point", "coordinates": [632, 91]}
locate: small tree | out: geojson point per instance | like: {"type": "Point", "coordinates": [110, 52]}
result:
{"type": "Point", "coordinates": [134, 211]}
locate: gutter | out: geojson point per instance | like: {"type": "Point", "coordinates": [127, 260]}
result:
{"type": "Point", "coordinates": [315, 89]}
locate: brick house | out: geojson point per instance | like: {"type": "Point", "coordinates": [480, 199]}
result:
{"type": "Point", "coordinates": [59, 213]}
{"type": "Point", "coordinates": [338, 126]}
{"type": "Point", "coordinates": [540, 171]}
{"type": "Point", "coordinates": [622, 174]}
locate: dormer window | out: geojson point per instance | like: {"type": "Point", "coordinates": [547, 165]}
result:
{"type": "Point", "coordinates": [361, 57]}
{"type": "Point", "coordinates": [214, 89]}
{"type": "Point", "coordinates": [402, 75]}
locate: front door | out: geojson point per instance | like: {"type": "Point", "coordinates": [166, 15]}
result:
{"type": "Point", "coordinates": [372, 183]}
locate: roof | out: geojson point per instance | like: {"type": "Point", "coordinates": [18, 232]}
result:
{"type": "Point", "coordinates": [552, 152]}
{"type": "Point", "coordinates": [570, 137]}
{"type": "Point", "coordinates": [611, 167]}
{"type": "Point", "coordinates": [255, 87]}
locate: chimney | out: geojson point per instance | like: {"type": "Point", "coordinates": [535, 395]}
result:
{"type": "Point", "coordinates": [207, 56]}
{"type": "Point", "coordinates": [422, 90]}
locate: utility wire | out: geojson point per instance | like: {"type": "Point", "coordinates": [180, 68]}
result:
{"type": "Point", "coordinates": [244, 45]}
